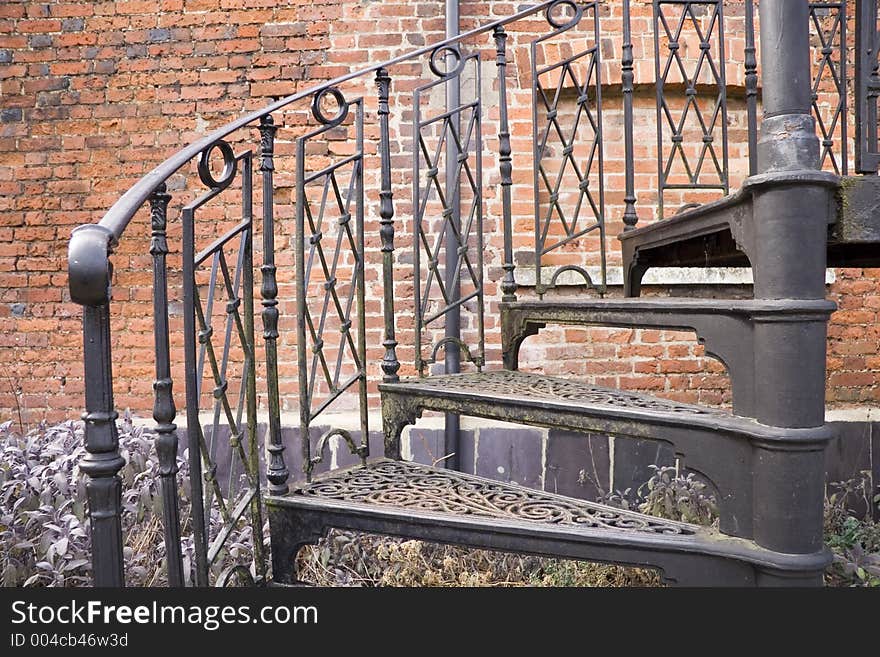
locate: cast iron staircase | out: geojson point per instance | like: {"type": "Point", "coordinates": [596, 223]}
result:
{"type": "Point", "coordinates": [765, 459]}
{"type": "Point", "coordinates": [755, 542]}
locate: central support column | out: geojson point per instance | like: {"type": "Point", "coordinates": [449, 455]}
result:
{"type": "Point", "coordinates": [792, 202]}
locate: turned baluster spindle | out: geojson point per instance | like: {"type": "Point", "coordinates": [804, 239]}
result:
{"type": "Point", "coordinates": [505, 164]}
{"type": "Point", "coordinates": [276, 471]}
{"type": "Point", "coordinates": [630, 218]}
{"type": "Point", "coordinates": [164, 411]}
{"type": "Point", "coordinates": [751, 70]}
{"type": "Point", "coordinates": [390, 364]}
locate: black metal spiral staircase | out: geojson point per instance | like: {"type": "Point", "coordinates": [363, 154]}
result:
{"type": "Point", "coordinates": [766, 459]}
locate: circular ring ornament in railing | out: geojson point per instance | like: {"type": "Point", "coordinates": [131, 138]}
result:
{"type": "Point", "coordinates": [237, 575]}
{"type": "Point", "coordinates": [588, 280]}
{"type": "Point", "coordinates": [446, 51]}
{"type": "Point", "coordinates": [229, 165]}
{"type": "Point", "coordinates": [557, 21]}
{"type": "Point", "coordinates": [341, 107]}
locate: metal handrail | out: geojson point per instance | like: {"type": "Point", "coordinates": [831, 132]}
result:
{"type": "Point", "coordinates": [114, 223]}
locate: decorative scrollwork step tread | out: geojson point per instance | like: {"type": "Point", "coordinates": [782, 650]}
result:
{"type": "Point", "coordinates": [505, 386]}
{"type": "Point", "coordinates": [406, 499]}
{"type": "Point", "coordinates": [420, 488]}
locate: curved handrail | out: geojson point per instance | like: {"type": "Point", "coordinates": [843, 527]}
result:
{"type": "Point", "coordinates": [113, 224]}
{"type": "Point", "coordinates": [89, 272]}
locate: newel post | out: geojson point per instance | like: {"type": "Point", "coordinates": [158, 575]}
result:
{"type": "Point", "coordinates": [89, 274]}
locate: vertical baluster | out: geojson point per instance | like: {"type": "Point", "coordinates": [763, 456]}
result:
{"type": "Point", "coordinates": [866, 87]}
{"type": "Point", "coordinates": [299, 250]}
{"type": "Point", "coordinates": [276, 471]}
{"type": "Point", "coordinates": [505, 164]}
{"type": "Point", "coordinates": [89, 280]}
{"type": "Point", "coordinates": [253, 455]}
{"type": "Point", "coordinates": [630, 218]}
{"type": "Point", "coordinates": [361, 289]}
{"type": "Point", "coordinates": [163, 408]}
{"type": "Point", "coordinates": [751, 69]}
{"type": "Point", "coordinates": [844, 115]}
{"type": "Point", "coordinates": [659, 84]}
{"type": "Point", "coordinates": [193, 425]}
{"type": "Point", "coordinates": [722, 91]}
{"type": "Point", "coordinates": [390, 364]}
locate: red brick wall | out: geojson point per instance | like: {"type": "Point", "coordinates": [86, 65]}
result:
{"type": "Point", "coordinates": [95, 94]}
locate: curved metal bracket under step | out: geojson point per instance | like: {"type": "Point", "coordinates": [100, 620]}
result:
{"type": "Point", "coordinates": [725, 327]}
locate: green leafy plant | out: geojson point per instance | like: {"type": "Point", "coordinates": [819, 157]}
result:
{"type": "Point", "coordinates": [674, 496]}
{"type": "Point", "coordinates": [854, 541]}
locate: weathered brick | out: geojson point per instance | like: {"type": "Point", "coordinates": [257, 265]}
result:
{"type": "Point", "coordinates": [10, 115]}
{"type": "Point", "coordinates": [96, 94]}
{"type": "Point", "coordinates": [72, 24]}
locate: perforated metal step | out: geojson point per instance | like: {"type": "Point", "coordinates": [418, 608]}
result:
{"type": "Point", "coordinates": [551, 401]}
{"type": "Point", "coordinates": [417, 501]}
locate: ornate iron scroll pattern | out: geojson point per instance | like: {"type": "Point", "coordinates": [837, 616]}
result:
{"type": "Point", "coordinates": [828, 25]}
{"type": "Point", "coordinates": [509, 384]}
{"type": "Point", "coordinates": [420, 488]}
{"type": "Point", "coordinates": [568, 167]}
{"type": "Point", "coordinates": [867, 87]}
{"type": "Point", "coordinates": [224, 357]}
{"type": "Point", "coordinates": [673, 21]}
{"type": "Point", "coordinates": [329, 204]}
{"type": "Point", "coordinates": [434, 296]}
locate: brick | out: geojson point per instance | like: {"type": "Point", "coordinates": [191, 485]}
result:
{"type": "Point", "coordinates": [72, 24]}
{"type": "Point", "coordinates": [96, 94]}
{"type": "Point", "coordinates": [159, 35]}
{"type": "Point", "coordinates": [10, 115]}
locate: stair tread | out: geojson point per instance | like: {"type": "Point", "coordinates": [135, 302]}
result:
{"type": "Point", "coordinates": [705, 214]}
{"type": "Point", "coordinates": [410, 499]}
{"type": "Point", "coordinates": [418, 488]}
{"type": "Point", "coordinates": [529, 390]}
